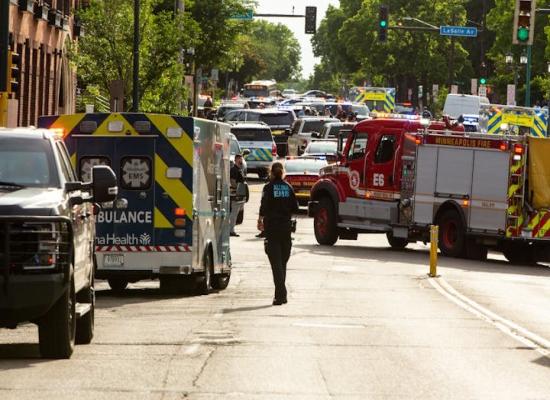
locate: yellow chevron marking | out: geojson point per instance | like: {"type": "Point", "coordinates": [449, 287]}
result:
{"type": "Point", "coordinates": [183, 145]}
{"type": "Point", "coordinates": [544, 230]}
{"type": "Point", "coordinates": [103, 129]}
{"type": "Point", "coordinates": [513, 190]}
{"type": "Point", "coordinates": [161, 221]}
{"type": "Point", "coordinates": [68, 122]}
{"type": "Point", "coordinates": [174, 187]}
{"type": "Point", "coordinates": [512, 210]}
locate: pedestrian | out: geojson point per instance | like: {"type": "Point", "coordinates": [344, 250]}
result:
{"type": "Point", "coordinates": [236, 176]}
{"type": "Point", "coordinates": [275, 219]}
{"type": "Point", "coordinates": [208, 103]}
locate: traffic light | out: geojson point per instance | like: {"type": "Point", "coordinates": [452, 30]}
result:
{"type": "Point", "coordinates": [524, 22]}
{"type": "Point", "coordinates": [311, 20]}
{"type": "Point", "coordinates": [383, 23]}
{"type": "Point", "coordinates": [482, 81]}
{"type": "Point", "coordinates": [14, 61]}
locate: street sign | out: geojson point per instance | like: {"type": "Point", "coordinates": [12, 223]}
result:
{"type": "Point", "coordinates": [511, 95]}
{"type": "Point", "coordinates": [247, 16]}
{"type": "Point", "coordinates": [466, 31]}
{"type": "Point", "coordinates": [482, 91]}
{"type": "Point", "coordinates": [473, 86]}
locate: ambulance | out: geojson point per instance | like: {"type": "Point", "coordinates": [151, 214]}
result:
{"type": "Point", "coordinates": [171, 219]}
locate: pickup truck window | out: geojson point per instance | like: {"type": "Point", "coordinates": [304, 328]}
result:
{"type": "Point", "coordinates": [27, 162]}
{"type": "Point", "coordinates": [66, 167]}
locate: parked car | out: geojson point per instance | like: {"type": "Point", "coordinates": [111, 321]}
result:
{"type": "Point", "coordinates": [303, 130]}
{"type": "Point", "coordinates": [279, 121]}
{"type": "Point", "coordinates": [47, 234]}
{"type": "Point", "coordinates": [302, 173]}
{"type": "Point", "coordinates": [257, 140]}
{"type": "Point", "coordinates": [319, 148]}
{"type": "Point", "coordinates": [331, 130]}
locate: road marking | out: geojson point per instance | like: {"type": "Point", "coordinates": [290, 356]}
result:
{"type": "Point", "coordinates": [328, 326]}
{"type": "Point", "coordinates": [522, 335]}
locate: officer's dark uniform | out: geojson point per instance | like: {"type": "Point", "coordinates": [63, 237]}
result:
{"type": "Point", "coordinates": [278, 205]}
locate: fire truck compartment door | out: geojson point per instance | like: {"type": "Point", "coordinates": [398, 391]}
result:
{"type": "Point", "coordinates": [454, 172]}
{"type": "Point", "coordinates": [489, 202]}
{"type": "Point", "coordinates": [539, 172]}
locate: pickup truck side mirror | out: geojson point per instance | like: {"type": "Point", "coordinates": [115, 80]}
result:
{"type": "Point", "coordinates": [315, 134]}
{"type": "Point", "coordinates": [104, 185]}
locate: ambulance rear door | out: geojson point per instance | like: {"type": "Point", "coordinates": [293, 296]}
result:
{"type": "Point", "coordinates": [128, 222]}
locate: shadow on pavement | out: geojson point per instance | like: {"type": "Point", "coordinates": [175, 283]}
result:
{"type": "Point", "coordinates": [421, 257]}
{"type": "Point", "coordinates": [243, 309]}
{"type": "Point", "coordinates": [19, 351]}
{"type": "Point", "coordinates": [543, 361]}
{"type": "Point", "coordinates": [110, 299]}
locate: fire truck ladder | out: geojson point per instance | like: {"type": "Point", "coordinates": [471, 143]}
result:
{"type": "Point", "coordinates": [516, 196]}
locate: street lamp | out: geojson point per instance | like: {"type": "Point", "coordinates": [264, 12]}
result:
{"type": "Point", "coordinates": [509, 58]}
{"type": "Point", "coordinates": [548, 67]}
{"type": "Point", "coordinates": [523, 59]}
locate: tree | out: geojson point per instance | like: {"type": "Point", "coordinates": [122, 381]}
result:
{"type": "Point", "coordinates": [104, 54]}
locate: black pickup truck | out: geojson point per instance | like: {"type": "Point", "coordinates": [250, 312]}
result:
{"type": "Point", "coordinates": [47, 231]}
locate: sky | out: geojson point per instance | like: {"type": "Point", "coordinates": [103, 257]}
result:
{"type": "Point", "coordinates": [297, 25]}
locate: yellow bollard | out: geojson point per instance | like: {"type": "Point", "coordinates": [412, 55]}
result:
{"type": "Point", "coordinates": [434, 238]}
{"type": "Point", "coordinates": [3, 109]}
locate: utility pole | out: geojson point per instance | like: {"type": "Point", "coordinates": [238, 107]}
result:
{"type": "Point", "coordinates": [135, 91]}
{"type": "Point", "coordinates": [4, 54]}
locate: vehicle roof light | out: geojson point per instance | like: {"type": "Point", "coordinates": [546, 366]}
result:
{"type": "Point", "coordinates": [115, 126]}
{"type": "Point", "coordinates": [58, 133]}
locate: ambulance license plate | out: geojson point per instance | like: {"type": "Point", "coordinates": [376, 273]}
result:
{"type": "Point", "coordinates": [113, 260]}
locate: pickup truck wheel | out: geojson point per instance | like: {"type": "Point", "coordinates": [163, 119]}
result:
{"type": "Point", "coordinates": [221, 281]}
{"type": "Point", "coordinates": [396, 243]}
{"type": "Point", "coordinates": [451, 234]}
{"type": "Point", "coordinates": [85, 325]}
{"type": "Point", "coordinates": [324, 223]}
{"type": "Point", "coordinates": [56, 330]}
{"type": "Point", "coordinates": [117, 285]}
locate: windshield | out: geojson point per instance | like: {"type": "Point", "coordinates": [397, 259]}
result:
{"type": "Point", "coordinates": [321, 147]}
{"type": "Point", "coordinates": [313, 126]}
{"type": "Point", "coordinates": [256, 92]}
{"type": "Point", "coordinates": [252, 135]}
{"type": "Point", "coordinates": [222, 110]}
{"type": "Point", "coordinates": [277, 119]}
{"type": "Point", "coordinates": [234, 147]}
{"type": "Point", "coordinates": [301, 166]}
{"type": "Point", "coordinates": [27, 162]}
{"type": "Point", "coordinates": [360, 109]}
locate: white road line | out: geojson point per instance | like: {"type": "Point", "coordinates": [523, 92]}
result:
{"type": "Point", "coordinates": [328, 326]}
{"type": "Point", "coordinates": [510, 328]}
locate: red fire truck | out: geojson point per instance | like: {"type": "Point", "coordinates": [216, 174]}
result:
{"type": "Point", "coordinates": [398, 176]}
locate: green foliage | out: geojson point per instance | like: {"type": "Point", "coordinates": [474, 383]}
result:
{"type": "Point", "coordinates": [104, 54]}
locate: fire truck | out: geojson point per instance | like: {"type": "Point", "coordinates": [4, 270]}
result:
{"type": "Point", "coordinates": [171, 220]}
{"type": "Point", "coordinates": [399, 176]}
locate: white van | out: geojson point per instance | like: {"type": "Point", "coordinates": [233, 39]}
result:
{"type": "Point", "coordinates": [460, 104]}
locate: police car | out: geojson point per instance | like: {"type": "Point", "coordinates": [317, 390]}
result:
{"type": "Point", "coordinates": [302, 173]}
{"type": "Point", "coordinates": [258, 140]}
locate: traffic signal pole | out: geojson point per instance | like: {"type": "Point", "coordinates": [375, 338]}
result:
{"type": "Point", "coordinates": [4, 54]}
{"type": "Point", "coordinates": [528, 78]}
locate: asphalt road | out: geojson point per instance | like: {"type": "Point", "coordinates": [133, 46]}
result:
{"type": "Point", "coordinates": [362, 322]}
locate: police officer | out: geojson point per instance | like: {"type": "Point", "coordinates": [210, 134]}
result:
{"type": "Point", "coordinates": [236, 177]}
{"type": "Point", "coordinates": [278, 205]}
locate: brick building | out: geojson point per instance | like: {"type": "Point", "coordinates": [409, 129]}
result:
{"type": "Point", "coordinates": [41, 31]}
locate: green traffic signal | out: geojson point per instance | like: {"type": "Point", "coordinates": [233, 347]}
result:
{"type": "Point", "coordinates": [483, 81]}
{"type": "Point", "coordinates": [523, 34]}
{"type": "Point", "coordinates": [383, 24]}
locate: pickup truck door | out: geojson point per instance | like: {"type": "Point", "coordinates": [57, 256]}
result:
{"type": "Point", "coordinates": [382, 175]}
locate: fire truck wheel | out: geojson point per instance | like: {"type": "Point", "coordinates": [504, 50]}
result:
{"type": "Point", "coordinates": [451, 234]}
{"type": "Point", "coordinates": [519, 254]}
{"type": "Point", "coordinates": [324, 223]}
{"type": "Point", "coordinates": [117, 285]}
{"type": "Point", "coordinates": [396, 243]}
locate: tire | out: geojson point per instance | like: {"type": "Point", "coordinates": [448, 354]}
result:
{"type": "Point", "coordinates": [205, 281]}
{"type": "Point", "coordinates": [117, 285]}
{"type": "Point", "coordinates": [475, 251]}
{"type": "Point", "coordinates": [396, 243]}
{"type": "Point", "coordinates": [57, 329]}
{"type": "Point", "coordinates": [240, 217]}
{"type": "Point", "coordinates": [451, 234]}
{"type": "Point", "coordinates": [519, 254]}
{"type": "Point", "coordinates": [85, 324]}
{"type": "Point", "coordinates": [221, 281]}
{"type": "Point", "coordinates": [324, 223]}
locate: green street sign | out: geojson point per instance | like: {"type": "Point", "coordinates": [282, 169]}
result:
{"type": "Point", "coordinates": [247, 16]}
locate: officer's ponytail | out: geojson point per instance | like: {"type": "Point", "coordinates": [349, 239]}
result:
{"type": "Point", "coordinates": [277, 171]}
